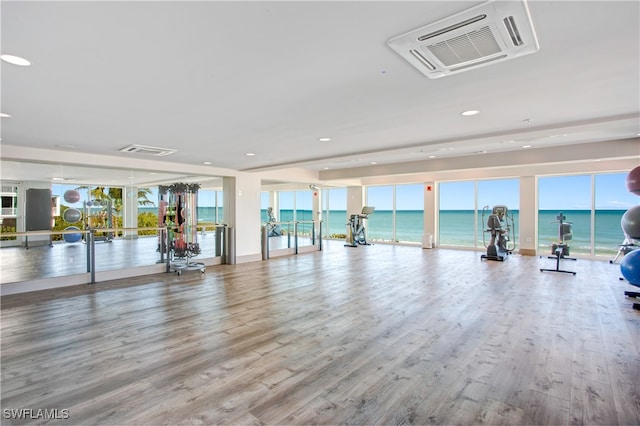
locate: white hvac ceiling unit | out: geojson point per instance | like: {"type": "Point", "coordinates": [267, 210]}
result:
{"type": "Point", "coordinates": [147, 150]}
{"type": "Point", "coordinates": [485, 34]}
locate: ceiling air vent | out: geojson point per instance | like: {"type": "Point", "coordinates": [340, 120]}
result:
{"type": "Point", "coordinates": [148, 150]}
{"type": "Point", "coordinates": [490, 32]}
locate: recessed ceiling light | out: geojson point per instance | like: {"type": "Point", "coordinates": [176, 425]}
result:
{"type": "Point", "coordinates": [4, 115]}
{"type": "Point", "coordinates": [15, 60]}
{"type": "Point", "coordinates": [470, 112]}
{"type": "Point", "coordinates": [326, 168]}
{"type": "Point", "coordinates": [432, 156]}
{"type": "Point", "coordinates": [324, 139]}
{"type": "Point", "coordinates": [250, 154]}
{"type": "Point", "coordinates": [374, 162]}
{"type": "Point", "coordinates": [57, 179]}
{"type": "Point", "coordinates": [207, 162]}
{"type": "Point", "coordinates": [526, 146]}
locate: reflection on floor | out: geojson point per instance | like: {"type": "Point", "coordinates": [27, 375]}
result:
{"type": "Point", "coordinates": [18, 264]}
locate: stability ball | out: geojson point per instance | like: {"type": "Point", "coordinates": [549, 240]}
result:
{"type": "Point", "coordinates": [633, 181]}
{"type": "Point", "coordinates": [71, 196]}
{"type": "Point", "coordinates": [72, 215]}
{"type": "Point", "coordinates": [631, 222]}
{"type": "Point", "coordinates": [72, 238]}
{"type": "Point", "coordinates": [630, 267]}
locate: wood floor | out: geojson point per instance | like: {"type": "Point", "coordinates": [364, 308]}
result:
{"type": "Point", "coordinates": [368, 335]}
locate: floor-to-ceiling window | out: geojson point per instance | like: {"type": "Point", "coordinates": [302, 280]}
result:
{"type": "Point", "coordinates": [566, 198]}
{"type": "Point", "coordinates": [334, 209]}
{"type": "Point", "coordinates": [380, 224]}
{"type": "Point", "coordinates": [611, 200]}
{"type": "Point", "coordinates": [210, 208]}
{"type": "Point", "coordinates": [304, 211]}
{"type": "Point", "coordinates": [409, 210]}
{"type": "Point", "coordinates": [456, 217]}
{"type": "Point", "coordinates": [399, 213]}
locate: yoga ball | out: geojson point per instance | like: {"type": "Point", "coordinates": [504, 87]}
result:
{"type": "Point", "coordinates": [633, 181]}
{"type": "Point", "coordinates": [71, 196]}
{"type": "Point", "coordinates": [630, 267]}
{"type": "Point", "coordinates": [72, 238]}
{"type": "Point", "coordinates": [631, 222]}
{"type": "Point", "coordinates": [72, 215]}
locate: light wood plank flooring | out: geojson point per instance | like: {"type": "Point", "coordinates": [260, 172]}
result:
{"type": "Point", "coordinates": [369, 335]}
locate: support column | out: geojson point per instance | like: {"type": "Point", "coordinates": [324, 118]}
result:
{"type": "Point", "coordinates": [429, 214]}
{"type": "Point", "coordinates": [130, 212]}
{"type": "Point", "coordinates": [528, 239]}
{"type": "Point", "coordinates": [242, 212]}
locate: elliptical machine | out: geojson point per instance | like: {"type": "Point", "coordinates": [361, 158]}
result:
{"type": "Point", "coordinates": [499, 225]}
{"type": "Point", "coordinates": [274, 229]}
{"type": "Point", "coordinates": [356, 232]}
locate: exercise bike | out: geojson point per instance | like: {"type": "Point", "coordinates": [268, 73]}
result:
{"type": "Point", "coordinates": [499, 225]}
{"type": "Point", "coordinates": [273, 229]}
{"type": "Point", "coordinates": [560, 249]}
{"type": "Point", "coordinates": [356, 232]}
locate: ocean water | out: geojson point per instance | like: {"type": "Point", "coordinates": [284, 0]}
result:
{"type": "Point", "coordinates": [457, 227]}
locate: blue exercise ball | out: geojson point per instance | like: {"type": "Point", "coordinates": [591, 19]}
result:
{"type": "Point", "coordinates": [72, 215]}
{"type": "Point", "coordinates": [630, 267]}
{"type": "Point", "coordinates": [71, 196]}
{"type": "Point", "coordinates": [72, 238]}
{"type": "Point", "coordinates": [630, 222]}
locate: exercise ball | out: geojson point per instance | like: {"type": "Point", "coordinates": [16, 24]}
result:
{"type": "Point", "coordinates": [633, 181]}
{"type": "Point", "coordinates": [630, 267]}
{"type": "Point", "coordinates": [71, 196]}
{"type": "Point", "coordinates": [631, 222]}
{"type": "Point", "coordinates": [72, 238]}
{"type": "Point", "coordinates": [72, 215]}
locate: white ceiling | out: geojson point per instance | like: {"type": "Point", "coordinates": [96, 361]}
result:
{"type": "Point", "coordinates": [216, 80]}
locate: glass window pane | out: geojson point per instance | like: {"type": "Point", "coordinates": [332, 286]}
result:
{"type": "Point", "coordinates": [304, 211]}
{"type": "Point", "coordinates": [456, 213]}
{"type": "Point", "coordinates": [264, 205]}
{"type": "Point", "coordinates": [409, 213]}
{"type": "Point", "coordinates": [612, 200]}
{"type": "Point", "coordinates": [286, 206]}
{"type": "Point", "coordinates": [334, 217]}
{"type": "Point", "coordinates": [379, 225]}
{"type": "Point", "coordinates": [570, 195]}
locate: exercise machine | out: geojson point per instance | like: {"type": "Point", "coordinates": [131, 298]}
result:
{"type": "Point", "coordinates": [356, 232]}
{"type": "Point", "coordinates": [627, 246]}
{"type": "Point", "coordinates": [560, 249]}
{"type": "Point", "coordinates": [273, 229]}
{"type": "Point", "coordinates": [499, 225]}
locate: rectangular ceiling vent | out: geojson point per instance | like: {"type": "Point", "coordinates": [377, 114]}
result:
{"type": "Point", "coordinates": [148, 150]}
{"type": "Point", "coordinates": [488, 33]}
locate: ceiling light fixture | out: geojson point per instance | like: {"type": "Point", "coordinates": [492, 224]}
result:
{"type": "Point", "coordinates": [526, 146]}
{"type": "Point", "coordinates": [15, 60]}
{"type": "Point", "coordinates": [324, 139]}
{"type": "Point", "coordinates": [374, 162]}
{"type": "Point", "coordinates": [207, 162]}
{"type": "Point", "coordinates": [250, 154]}
{"type": "Point", "coordinates": [470, 112]}
{"type": "Point", "coordinates": [5, 115]}
{"type": "Point", "coordinates": [432, 156]}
